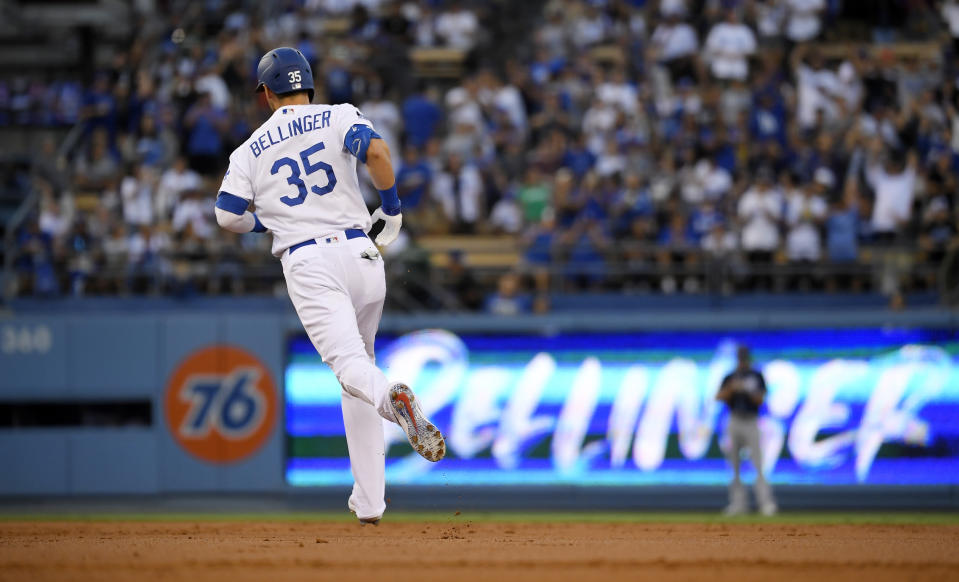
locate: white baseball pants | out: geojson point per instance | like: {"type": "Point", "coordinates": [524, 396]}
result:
{"type": "Point", "coordinates": [338, 296]}
{"type": "Point", "coordinates": [743, 433]}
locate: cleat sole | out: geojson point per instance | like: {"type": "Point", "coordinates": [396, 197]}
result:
{"type": "Point", "coordinates": [424, 437]}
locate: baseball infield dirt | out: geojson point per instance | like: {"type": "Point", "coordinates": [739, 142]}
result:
{"type": "Point", "coordinates": [463, 551]}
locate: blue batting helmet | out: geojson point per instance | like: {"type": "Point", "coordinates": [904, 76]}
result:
{"type": "Point", "coordinates": [284, 70]}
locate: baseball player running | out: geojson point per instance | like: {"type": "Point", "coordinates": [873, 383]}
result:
{"type": "Point", "coordinates": [298, 170]}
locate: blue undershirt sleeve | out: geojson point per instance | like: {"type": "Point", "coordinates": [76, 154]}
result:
{"type": "Point", "coordinates": [257, 225]}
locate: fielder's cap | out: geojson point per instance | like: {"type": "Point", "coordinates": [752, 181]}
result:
{"type": "Point", "coordinates": [285, 70]}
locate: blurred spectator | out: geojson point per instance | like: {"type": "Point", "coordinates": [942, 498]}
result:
{"type": "Point", "coordinates": [760, 210]}
{"type": "Point", "coordinates": [578, 158]}
{"type": "Point", "coordinates": [534, 194]}
{"type": "Point", "coordinates": [586, 246]}
{"type": "Point", "coordinates": [115, 249]}
{"type": "Point", "coordinates": [206, 125]}
{"type": "Point", "coordinates": [173, 183]}
{"type": "Point", "coordinates": [720, 243]}
{"type": "Point", "coordinates": [805, 214]}
{"type": "Point", "coordinates": [151, 148]}
{"type": "Point", "coordinates": [337, 76]}
{"type": "Point", "coordinates": [138, 258]}
{"type": "Point", "coordinates": [950, 13]}
{"type": "Point", "coordinates": [194, 214]}
{"type": "Point", "coordinates": [396, 24]}
{"type": "Point", "coordinates": [540, 242]}
{"type": "Point", "coordinates": [937, 232]}
{"type": "Point", "coordinates": [457, 26]}
{"type": "Point", "coordinates": [98, 169]}
{"type": "Point", "coordinates": [705, 181]}
{"type": "Point", "coordinates": [210, 83]}
{"type": "Point", "coordinates": [894, 182]}
{"type": "Point", "coordinates": [619, 92]}
{"type": "Point", "coordinates": [99, 105]}
{"type": "Point", "coordinates": [137, 193]}
{"type": "Point", "coordinates": [385, 116]}
{"type": "Point", "coordinates": [676, 247]}
{"type": "Point", "coordinates": [728, 48]}
{"type": "Point", "coordinates": [507, 215]}
{"type": "Point", "coordinates": [421, 116]}
{"type": "Point", "coordinates": [599, 122]}
{"type": "Point", "coordinates": [770, 16]}
{"type": "Point", "coordinates": [53, 222]}
{"type": "Point", "coordinates": [804, 19]}
{"type": "Point", "coordinates": [459, 189]}
{"type": "Point", "coordinates": [508, 298]}
{"type": "Point", "coordinates": [720, 247]}
{"type": "Point", "coordinates": [589, 27]}
{"type": "Point", "coordinates": [674, 44]}
{"type": "Point", "coordinates": [842, 228]}
{"type": "Point", "coordinates": [81, 262]}
{"type": "Point", "coordinates": [631, 201]}
{"type": "Point", "coordinates": [817, 87]}
{"type": "Point", "coordinates": [413, 179]}
{"type": "Point", "coordinates": [767, 119]}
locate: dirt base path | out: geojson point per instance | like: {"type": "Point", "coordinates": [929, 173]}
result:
{"type": "Point", "coordinates": [464, 552]}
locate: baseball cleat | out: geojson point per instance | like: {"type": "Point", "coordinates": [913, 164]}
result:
{"type": "Point", "coordinates": [769, 509]}
{"type": "Point", "coordinates": [363, 520]}
{"type": "Point", "coordinates": [734, 510]}
{"type": "Point", "coordinates": [423, 436]}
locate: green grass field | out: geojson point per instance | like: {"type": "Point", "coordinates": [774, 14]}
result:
{"type": "Point", "coordinates": [807, 518]}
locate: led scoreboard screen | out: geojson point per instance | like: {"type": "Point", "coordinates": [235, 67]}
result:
{"type": "Point", "coordinates": [851, 406]}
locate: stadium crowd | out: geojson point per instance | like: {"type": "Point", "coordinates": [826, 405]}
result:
{"type": "Point", "coordinates": [671, 145]}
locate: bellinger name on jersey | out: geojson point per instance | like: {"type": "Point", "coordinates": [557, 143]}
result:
{"type": "Point", "coordinates": [298, 126]}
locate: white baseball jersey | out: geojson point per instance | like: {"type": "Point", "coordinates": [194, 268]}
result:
{"type": "Point", "coordinates": [297, 172]}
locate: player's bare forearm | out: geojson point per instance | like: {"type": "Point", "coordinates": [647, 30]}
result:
{"type": "Point", "coordinates": [380, 164]}
{"type": "Point", "coordinates": [381, 171]}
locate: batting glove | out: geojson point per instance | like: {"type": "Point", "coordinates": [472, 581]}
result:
{"type": "Point", "coordinates": [391, 227]}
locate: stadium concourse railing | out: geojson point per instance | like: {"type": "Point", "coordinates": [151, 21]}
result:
{"type": "Point", "coordinates": [421, 278]}
{"type": "Point", "coordinates": [30, 202]}
{"type": "Point", "coordinates": [9, 286]}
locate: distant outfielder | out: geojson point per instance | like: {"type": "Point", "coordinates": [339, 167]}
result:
{"type": "Point", "coordinates": [744, 391]}
{"type": "Point", "coordinates": [299, 171]}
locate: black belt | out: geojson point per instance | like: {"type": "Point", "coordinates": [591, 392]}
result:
{"type": "Point", "coordinates": [350, 233]}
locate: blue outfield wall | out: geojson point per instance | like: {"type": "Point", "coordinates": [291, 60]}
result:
{"type": "Point", "coordinates": [231, 412]}
{"type": "Point", "coordinates": [102, 357]}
